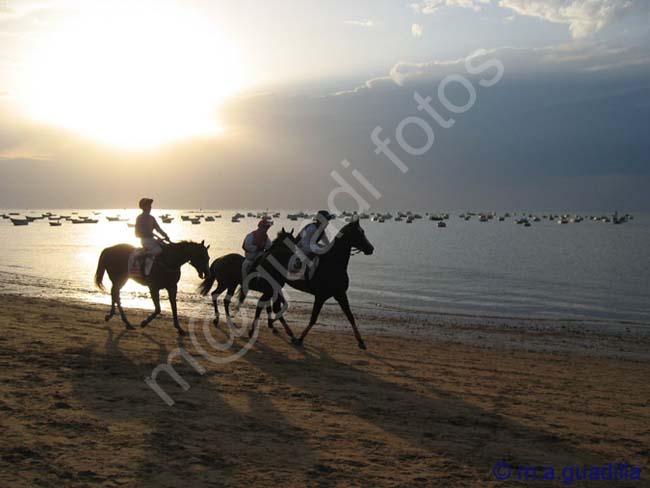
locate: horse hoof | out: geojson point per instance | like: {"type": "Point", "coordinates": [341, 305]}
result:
{"type": "Point", "coordinates": [215, 322]}
{"type": "Point", "coordinates": [144, 323]}
{"type": "Point", "coordinates": [275, 331]}
{"type": "Point", "coordinates": [181, 332]}
{"type": "Point", "coordinates": [296, 342]}
{"type": "Point", "coordinates": [108, 317]}
{"type": "Point", "coordinates": [129, 326]}
{"type": "Point", "coordinates": [362, 345]}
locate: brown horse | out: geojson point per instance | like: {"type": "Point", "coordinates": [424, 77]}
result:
{"type": "Point", "coordinates": [165, 273]}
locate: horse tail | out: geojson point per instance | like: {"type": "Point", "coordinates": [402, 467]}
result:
{"type": "Point", "coordinates": [101, 269]}
{"type": "Point", "coordinates": [207, 283]}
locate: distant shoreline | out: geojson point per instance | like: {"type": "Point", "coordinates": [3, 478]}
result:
{"type": "Point", "coordinates": [585, 338]}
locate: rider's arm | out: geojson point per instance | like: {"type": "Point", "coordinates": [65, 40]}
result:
{"type": "Point", "coordinates": [324, 240]}
{"type": "Point", "coordinates": [158, 229]}
{"type": "Point", "coordinates": [249, 244]}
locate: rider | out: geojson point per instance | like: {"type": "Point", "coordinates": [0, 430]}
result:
{"type": "Point", "coordinates": [145, 225]}
{"type": "Point", "coordinates": [313, 239]}
{"type": "Point", "coordinates": [256, 243]}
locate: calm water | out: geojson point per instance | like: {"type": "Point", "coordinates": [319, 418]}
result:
{"type": "Point", "coordinates": [588, 270]}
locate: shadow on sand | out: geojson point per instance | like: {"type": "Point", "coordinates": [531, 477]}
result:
{"type": "Point", "coordinates": [227, 430]}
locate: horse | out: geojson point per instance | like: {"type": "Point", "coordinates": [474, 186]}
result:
{"type": "Point", "coordinates": [331, 276]}
{"type": "Point", "coordinates": [266, 275]}
{"type": "Point", "coordinates": [165, 273]}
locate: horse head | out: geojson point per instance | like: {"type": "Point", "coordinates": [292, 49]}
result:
{"type": "Point", "coordinates": [200, 259]}
{"type": "Point", "coordinates": [286, 236]}
{"type": "Point", "coordinates": [282, 247]}
{"type": "Point", "coordinates": [355, 236]}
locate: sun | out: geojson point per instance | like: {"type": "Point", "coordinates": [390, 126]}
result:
{"type": "Point", "coordinates": [131, 74]}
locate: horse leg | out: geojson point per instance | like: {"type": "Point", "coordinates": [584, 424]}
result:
{"type": "Point", "coordinates": [215, 295]}
{"type": "Point", "coordinates": [172, 301]}
{"type": "Point", "coordinates": [116, 290]}
{"type": "Point", "coordinates": [345, 306]}
{"type": "Point", "coordinates": [226, 301]}
{"type": "Point", "coordinates": [155, 296]}
{"type": "Point", "coordinates": [319, 300]}
{"type": "Point", "coordinates": [269, 313]}
{"type": "Point", "coordinates": [277, 306]}
{"type": "Point", "coordinates": [258, 312]}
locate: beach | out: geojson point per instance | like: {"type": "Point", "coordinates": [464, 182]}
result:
{"type": "Point", "coordinates": [439, 408]}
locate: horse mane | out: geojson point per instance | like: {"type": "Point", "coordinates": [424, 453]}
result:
{"type": "Point", "coordinates": [185, 243]}
{"type": "Point", "coordinates": [346, 228]}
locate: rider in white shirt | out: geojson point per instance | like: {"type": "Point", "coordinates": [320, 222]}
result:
{"type": "Point", "coordinates": [313, 240]}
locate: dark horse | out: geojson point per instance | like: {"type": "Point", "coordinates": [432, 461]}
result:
{"type": "Point", "coordinates": [165, 273]}
{"type": "Point", "coordinates": [330, 280]}
{"type": "Point", "coordinates": [266, 275]}
{"type": "Point", "coordinates": [331, 276]}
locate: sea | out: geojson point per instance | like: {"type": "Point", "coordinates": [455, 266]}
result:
{"type": "Point", "coordinates": [591, 270]}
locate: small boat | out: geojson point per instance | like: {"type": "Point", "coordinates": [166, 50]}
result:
{"type": "Point", "coordinates": [55, 223]}
{"type": "Point", "coordinates": [84, 220]}
{"type": "Point", "coordinates": [442, 224]}
{"type": "Point", "coordinates": [235, 220]}
{"type": "Point", "coordinates": [209, 219]}
{"type": "Point", "coordinates": [20, 221]}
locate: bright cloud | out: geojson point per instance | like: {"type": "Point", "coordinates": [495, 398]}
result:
{"type": "Point", "coordinates": [417, 30]}
{"type": "Point", "coordinates": [431, 6]}
{"type": "Point", "coordinates": [572, 58]}
{"type": "Point", "coordinates": [361, 23]}
{"type": "Point", "coordinates": [584, 17]}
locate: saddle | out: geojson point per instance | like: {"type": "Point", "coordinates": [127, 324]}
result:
{"type": "Point", "coordinates": [302, 270]}
{"type": "Point", "coordinates": [140, 263]}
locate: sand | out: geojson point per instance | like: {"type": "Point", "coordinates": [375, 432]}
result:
{"type": "Point", "coordinates": [410, 411]}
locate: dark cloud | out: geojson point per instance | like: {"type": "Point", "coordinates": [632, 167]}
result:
{"type": "Point", "coordinates": [566, 127]}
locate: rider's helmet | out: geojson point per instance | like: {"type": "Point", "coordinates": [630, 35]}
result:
{"type": "Point", "coordinates": [264, 224]}
{"type": "Point", "coordinates": [323, 215]}
{"type": "Point", "coordinates": [145, 203]}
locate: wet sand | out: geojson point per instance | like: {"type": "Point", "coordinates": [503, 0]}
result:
{"type": "Point", "coordinates": [431, 409]}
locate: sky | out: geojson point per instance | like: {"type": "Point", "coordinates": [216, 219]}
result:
{"type": "Point", "coordinates": [285, 104]}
